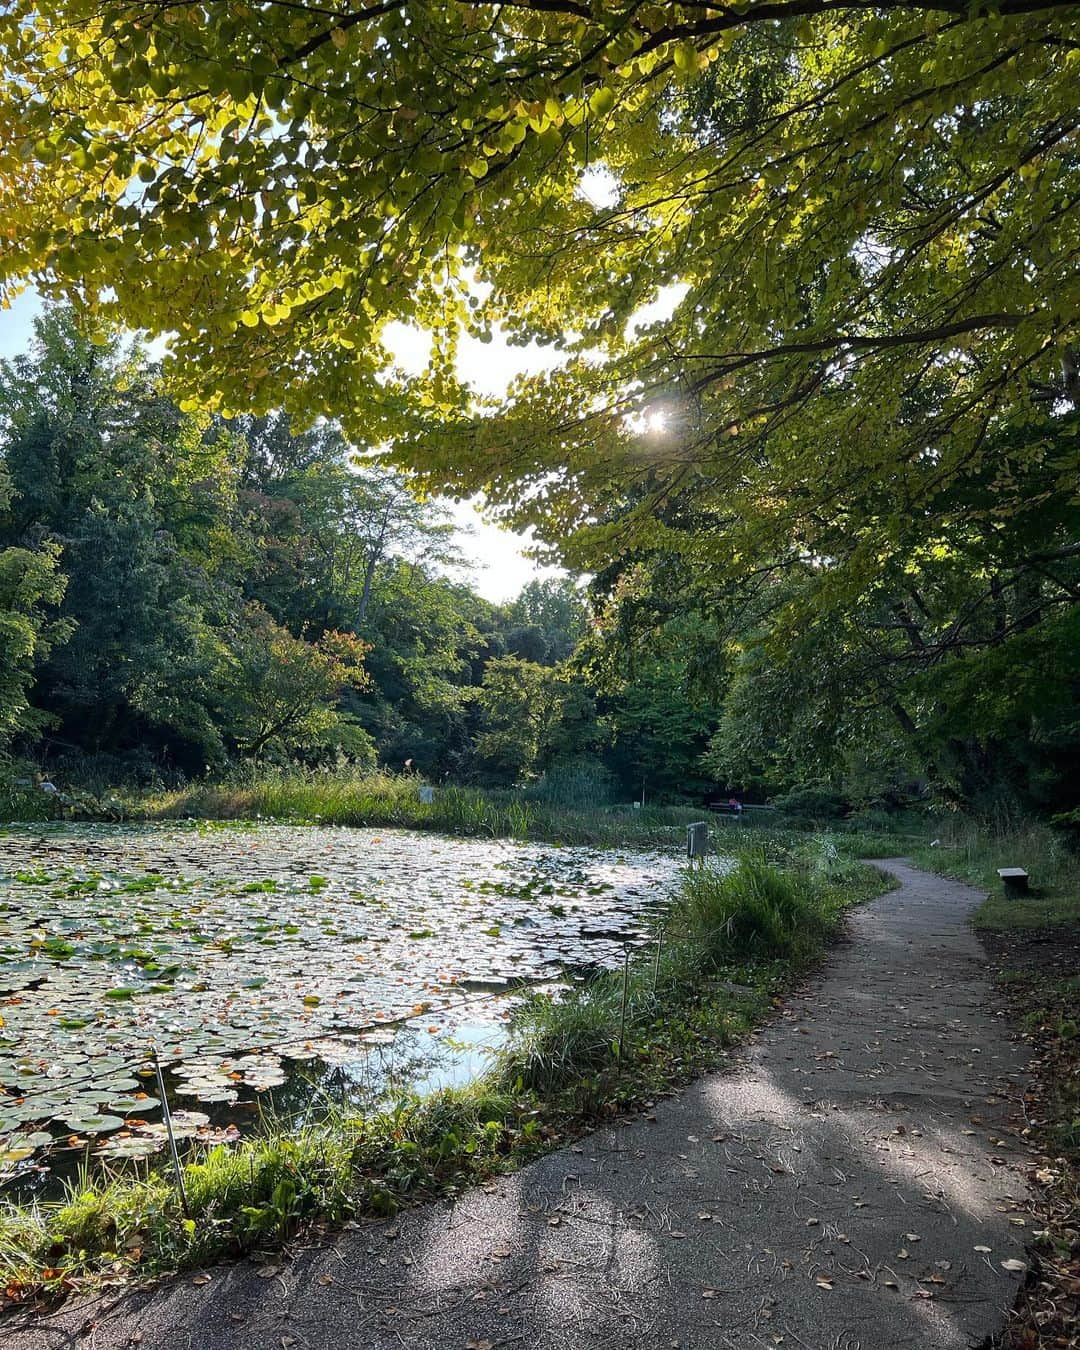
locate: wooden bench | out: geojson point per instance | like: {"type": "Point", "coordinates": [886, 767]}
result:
{"type": "Point", "coordinates": [1013, 878]}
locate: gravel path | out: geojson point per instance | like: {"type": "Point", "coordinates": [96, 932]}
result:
{"type": "Point", "coordinates": [845, 1188]}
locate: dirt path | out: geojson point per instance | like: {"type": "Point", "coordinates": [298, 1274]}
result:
{"type": "Point", "coordinates": [844, 1189]}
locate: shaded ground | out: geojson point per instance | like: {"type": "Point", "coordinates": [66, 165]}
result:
{"type": "Point", "coordinates": [851, 1186]}
{"type": "Point", "coordinates": [1039, 982]}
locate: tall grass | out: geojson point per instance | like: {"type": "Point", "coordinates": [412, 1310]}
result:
{"type": "Point", "coordinates": [972, 850]}
{"type": "Point", "coordinates": [580, 784]}
{"type": "Point", "coordinates": [382, 799]}
{"type": "Point", "coordinates": [754, 910]}
{"type": "Point", "coordinates": [753, 920]}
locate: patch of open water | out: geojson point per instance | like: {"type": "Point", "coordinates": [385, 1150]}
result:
{"type": "Point", "coordinates": [289, 963]}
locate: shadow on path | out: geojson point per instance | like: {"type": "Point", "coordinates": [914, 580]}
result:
{"type": "Point", "coordinates": [847, 1187]}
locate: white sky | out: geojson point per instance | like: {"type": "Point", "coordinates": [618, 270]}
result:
{"type": "Point", "coordinates": [500, 568]}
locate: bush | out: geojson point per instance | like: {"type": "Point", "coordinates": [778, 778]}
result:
{"type": "Point", "coordinates": [754, 911]}
{"type": "Point", "coordinates": [812, 802]}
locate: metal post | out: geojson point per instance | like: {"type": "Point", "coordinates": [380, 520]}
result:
{"type": "Point", "coordinates": [656, 963]}
{"type": "Point", "coordinates": [625, 996]}
{"type": "Point", "coordinates": [167, 1114]}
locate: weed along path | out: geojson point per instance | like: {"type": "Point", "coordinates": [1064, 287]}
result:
{"type": "Point", "coordinates": [852, 1185]}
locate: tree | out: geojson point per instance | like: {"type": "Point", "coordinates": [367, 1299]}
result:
{"type": "Point", "coordinates": [519, 703]}
{"type": "Point", "coordinates": [131, 497]}
{"type": "Point", "coordinates": [332, 519]}
{"type": "Point", "coordinates": [862, 217]}
{"type": "Point", "coordinates": [657, 663]}
{"type": "Point", "coordinates": [860, 203]}
{"type": "Point", "coordinates": [210, 577]}
{"type": "Point", "coordinates": [555, 610]}
{"type": "Point", "coordinates": [283, 692]}
{"type": "Point", "coordinates": [31, 587]}
{"type": "Point", "coordinates": [948, 661]}
{"type": "Point", "coordinates": [431, 638]}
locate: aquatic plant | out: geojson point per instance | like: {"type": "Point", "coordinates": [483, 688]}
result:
{"type": "Point", "coordinates": [731, 944]}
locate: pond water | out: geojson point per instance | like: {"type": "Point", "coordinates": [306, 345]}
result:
{"type": "Point", "coordinates": [273, 962]}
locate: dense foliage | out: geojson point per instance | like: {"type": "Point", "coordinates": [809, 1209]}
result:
{"type": "Point", "coordinates": [179, 593]}
{"type": "Point", "coordinates": [830, 498]}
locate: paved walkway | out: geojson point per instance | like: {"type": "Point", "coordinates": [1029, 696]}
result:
{"type": "Point", "coordinates": [845, 1188]}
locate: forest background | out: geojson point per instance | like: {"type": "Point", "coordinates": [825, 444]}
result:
{"type": "Point", "coordinates": [183, 594]}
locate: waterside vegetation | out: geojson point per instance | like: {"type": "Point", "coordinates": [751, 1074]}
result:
{"type": "Point", "coordinates": [732, 941]}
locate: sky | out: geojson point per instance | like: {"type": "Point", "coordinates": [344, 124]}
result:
{"type": "Point", "coordinates": [499, 566]}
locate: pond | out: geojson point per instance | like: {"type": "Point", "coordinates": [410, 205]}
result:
{"type": "Point", "coordinates": [273, 963]}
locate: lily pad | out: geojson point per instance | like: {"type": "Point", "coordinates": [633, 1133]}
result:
{"type": "Point", "coordinates": [244, 952]}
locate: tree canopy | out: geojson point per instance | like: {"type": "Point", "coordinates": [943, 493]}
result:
{"type": "Point", "coordinates": [854, 428]}
{"type": "Point", "coordinates": [869, 208]}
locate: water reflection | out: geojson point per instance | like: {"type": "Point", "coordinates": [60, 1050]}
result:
{"type": "Point", "coordinates": [261, 960]}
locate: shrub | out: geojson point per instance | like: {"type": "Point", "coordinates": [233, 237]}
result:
{"type": "Point", "coordinates": [754, 911]}
{"type": "Point", "coordinates": [813, 801]}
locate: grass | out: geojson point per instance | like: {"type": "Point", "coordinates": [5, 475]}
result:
{"type": "Point", "coordinates": [972, 851]}
{"type": "Point", "coordinates": [380, 799]}
{"type": "Point", "coordinates": [731, 942]}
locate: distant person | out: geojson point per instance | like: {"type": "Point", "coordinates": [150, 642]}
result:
{"type": "Point", "coordinates": [735, 806]}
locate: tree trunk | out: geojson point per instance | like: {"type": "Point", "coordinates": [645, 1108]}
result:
{"type": "Point", "coordinates": [369, 571]}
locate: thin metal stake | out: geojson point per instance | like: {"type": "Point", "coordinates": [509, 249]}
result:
{"type": "Point", "coordinates": [625, 996]}
{"type": "Point", "coordinates": [169, 1131]}
{"type": "Point", "coordinates": [656, 963]}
